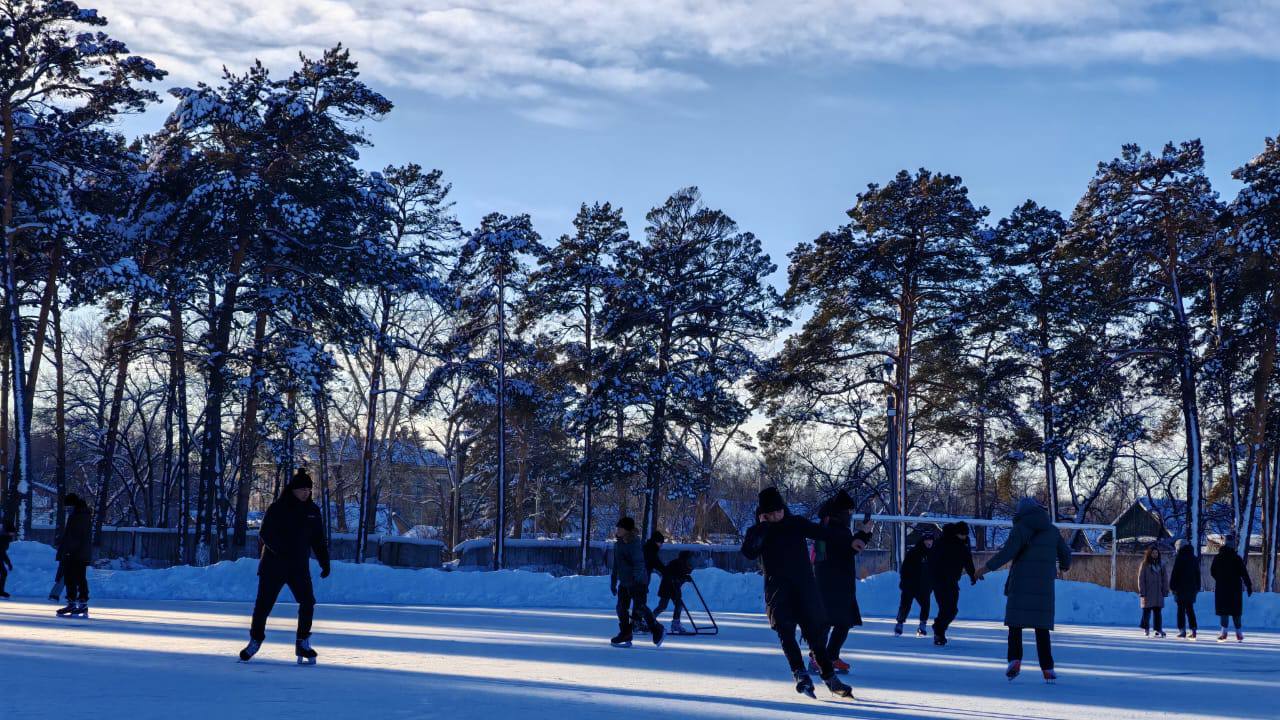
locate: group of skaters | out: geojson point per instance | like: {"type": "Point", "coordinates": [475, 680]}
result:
{"type": "Point", "coordinates": [809, 570]}
{"type": "Point", "coordinates": [1231, 583]}
{"type": "Point", "coordinates": [816, 593]}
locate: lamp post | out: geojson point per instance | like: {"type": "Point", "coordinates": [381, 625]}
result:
{"type": "Point", "coordinates": [897, 489]}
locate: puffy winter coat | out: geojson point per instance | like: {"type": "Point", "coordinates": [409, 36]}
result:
{"type": "Point", "coordinates": [1230, 576]}
{"type": "Point", "coordinates": [628, 562]}
{"type": "Point", "coordinates": [675, 574]}
{"type": "Point", "coordinates": [836, 570]}
{"type": "Point", "coordinates": [1153, 585]}
{"type": "Point", "coordinates": [1184, 582]}
{"type": "Point", "coordinates": [915, 576]}
{"type": "Point", "coordinates": [77, 538]}
{"type": "Point", "coordinates": [790, 590]}
{"type": "Point", "coordinates": [292, 530]}
{"type": "Point", "coordinates": [1036, 551]}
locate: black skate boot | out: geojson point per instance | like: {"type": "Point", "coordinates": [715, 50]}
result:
{"type": "Point", "coordinates": [897, 629]}
{"type": "Point", "coordinates": [837, 687]}
{"type": "Point", "coordinates": [68, 611]}
{"type": "Point", "coordinates": [658, 633]}
{"type": "Point", "coordinates": [1015, 667]}
{"type": "Point", "coordinates": [250, 650]}
{"type": "Point", "coordinates": [920, 631]}
{"type": "Point", "coordinates": [804, 684]}
{"type": "Point", "coordinates": [306, 656]}
{"type": "Point", "coordinates": [621, 640]}
{"type": "Point", "coordinates": [81, 611]}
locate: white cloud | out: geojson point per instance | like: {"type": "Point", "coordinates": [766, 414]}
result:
{"type": "Point", "coordinates": [557, 59]}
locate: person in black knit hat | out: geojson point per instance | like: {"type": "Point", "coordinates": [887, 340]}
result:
{"type": "Point", "coordinates": [835, 568]}
{"type": "Point", "coordinates": [916, 583]}
{"type": "Point", "coordinates": [949, 560]}
{"type": "Point", "coordinates": [292, 530]}
{"type": "Point", "coordinates": [630, 582]}
{"type": "Point", "coordinates": [75, 553]}
{"type": "Point", "coordinates": [779, 541]}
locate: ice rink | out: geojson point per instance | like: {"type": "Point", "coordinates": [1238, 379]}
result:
{"type": "Point", "coordinates": [177, 661]}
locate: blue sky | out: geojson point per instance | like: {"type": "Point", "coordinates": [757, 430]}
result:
{"type": "Point", "coordinates": [781, 112]}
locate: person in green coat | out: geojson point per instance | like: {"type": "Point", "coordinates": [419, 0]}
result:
{"type": "Point", "coordinates": [1035, 551]}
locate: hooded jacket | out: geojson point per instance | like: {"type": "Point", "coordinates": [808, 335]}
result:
{"type": "Point", "coordinates": [1185, 580]}
{"type": "Point", "coordinates": [628, 562]}
{"type": "Point", "coordinates": [1036, 550]}
{"type": "Point", "coordinates": [77, 537]}
{"type": "Point", "coordinates": [1230, 577]}
{"type": "Point", "coordinates": [951, 557]}
{"type": "Point", "coordinates": [292, 530]}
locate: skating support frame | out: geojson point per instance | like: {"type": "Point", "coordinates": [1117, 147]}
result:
{"type": "Point", "coordinates": [713, 628]}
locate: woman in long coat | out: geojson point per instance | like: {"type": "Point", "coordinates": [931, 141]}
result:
{"type": "Point", "coordinates": [1184, 583]}
{"type": "Point", "coordinates": [1153, 587]}
{"type": "Point", "coordinates": [836, 571]}
{"type": "Point", "coordinates": [1036, 550]}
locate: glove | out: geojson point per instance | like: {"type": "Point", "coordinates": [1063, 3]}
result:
{"type": "Point", "coordinates": [324, 572]}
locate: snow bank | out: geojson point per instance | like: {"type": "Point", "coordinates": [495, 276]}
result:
{"type": "Point", "coordinates": [1078, 602]}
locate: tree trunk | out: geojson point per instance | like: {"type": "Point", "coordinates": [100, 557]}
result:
{"type": "Point", "coordinates": [106, 464]}
{"type": "Point", "coordinates": [59, 421]}
{"type": "Point", "coordinates": [249, 433]}
{"type": "Point", "coordinates": [178, 370]}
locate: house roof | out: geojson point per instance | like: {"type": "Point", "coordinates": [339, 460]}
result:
{"type": "Point", "coordinates": [401, 452]}
{"type": "Point", "coordinates": [1170, 513]}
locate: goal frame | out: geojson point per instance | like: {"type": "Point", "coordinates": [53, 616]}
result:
{"type": "Point", "coordinates": [985, 522]}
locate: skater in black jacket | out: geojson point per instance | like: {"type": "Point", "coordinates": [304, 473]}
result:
{"type": "Point", "coordinates": [836, 571]}
{"type": "Point", "coordinates": [779, 541]}
{"type": "Point", "coordinates": [674, 575]}
{"type": "Point", "coordinates": [949, 559]}
{"type": "Point", "coordinates": [75, 552]}
{"type": "Point", "coordinates": [630, 582]}
{"type": "Point", "coordinates": [1184, 583]}
{"type": "Point", "coordinates": [1231, 578]}
{"type": "Point", "coordinates": [916, 583]}
{"type": "Point", "coordinates": [5, 563]}
{"type": "Point", "coordinates": [652, 564]}
{"type": "Point", "coordinates": [292, 530]}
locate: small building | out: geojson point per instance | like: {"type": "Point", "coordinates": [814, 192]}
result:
{"type": "Point", "coordinates": [1163, 521]}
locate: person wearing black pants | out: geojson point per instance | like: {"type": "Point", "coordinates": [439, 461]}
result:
{"type": "Point", "coordinates": [75, 552]}
{"type": "Point", "coordinates": [1184, 583]}
{"type": "Point", "coordinates": [916, 583]}
{"type": "Point", "coordinates": [674, 575]}
{"type": "Point", "coordinates": [834, 564]}
{"type": "Point", "coordinates": [292, 530]}
{"type": "Point", "coordinates": [1231, 578]}
{"type": "Point", "coordinates": [1035, 551]}
{"type": "Point", "coordinates": [949, 559]}
{"type": "Point", "coordinates": [630, 582]}
{"type": "Point", "coordinates": [779, 540]}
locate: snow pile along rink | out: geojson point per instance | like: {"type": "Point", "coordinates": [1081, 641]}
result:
{"type": "Point", "coordinates": [1077, 602]}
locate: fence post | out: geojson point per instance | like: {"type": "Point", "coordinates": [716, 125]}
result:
{"type": "Point", "coordinates": [1114, 542]}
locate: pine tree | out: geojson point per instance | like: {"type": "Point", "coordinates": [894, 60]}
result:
{"type": "Point", "coordinates": [1147, 222]}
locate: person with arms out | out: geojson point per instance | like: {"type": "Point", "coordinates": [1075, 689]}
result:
{"type": "Point", "coordinates": [1184, 583]}
{"type": "Point", "coordinates": [779, 540]}
{"type": "Point", "coordinates": [949, 559]}
{"type": "Point", "coordinates": [1231, 579]}
{"type": "Point", "coordinates": [292, 530]}
{"type": "Point", "coordinates": [1036, 550]}
{"type": "Point", "coordinates": [836, 572]}
{"type": "Point", "coordinates": [1153, 587]}
{"type": "Point", "coordinates": [915, 582]}
{"type": "Point", "coordinates": [652, 564]}
{"type": "Point", "coordinates": [629, 581]}
{"type": "Point", "coordinates": [75, 552]}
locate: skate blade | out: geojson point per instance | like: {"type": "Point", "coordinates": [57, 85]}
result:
{"type": "Point", "coordinates": [621, 645]}
{"type": "Point", "coordinates": [306, 661]}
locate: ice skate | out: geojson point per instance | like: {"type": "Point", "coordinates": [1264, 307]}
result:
{"type": "Point", "coordinates": [1050, 676]}
{"type": "Point", "coordinates": [897, 629]}
{"type": "Point", "coordinates": [837, 686]}
{"type": "Point", "coordinates": [620, 641]}
{"type": "Point", "coordinates": [804, 684]}
{"type": "Point", "coordinates": [1015, 667]}
{"type": "Point", "coordinates": [250, 650]}
{"type": "Point", "coordinates": [306, 656]}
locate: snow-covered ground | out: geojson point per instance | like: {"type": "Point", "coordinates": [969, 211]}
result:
{"type": "Point", "coordinates": [167, 660]}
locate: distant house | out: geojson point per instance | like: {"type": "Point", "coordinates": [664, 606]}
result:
{"type": "Point", "coordinates": [1163, 521]}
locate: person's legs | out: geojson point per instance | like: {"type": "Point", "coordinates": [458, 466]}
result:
{"type": "Point", "coordinates": [640, 609]}
{"type": "Point", "coordinates": [924, 608]}
{"type": "Point", "coordinates": [302, 592]}
{"type": "Point", "coordinates": [75, 574]}
{"type": "Point", "coordinates": [1235, 619]}
{"type": "Point", "coordinates": [1159, 619]}
{"type": "Point", "coordinates": [1145, 623]}
{"type": "Point", "coordinates": [662, 607]}
{"type": "Point", "coordinates": [269, 586]}
{"type": "Point", "coordinates": [623, 608]}
{"type": "Point", "coordinates": [790, 648]}
{"type": "Point", "coordinates": [1182, 615]}
{"type": "Point", "coordinates": [1044, 649]}
{"type": "Point", "coordinates": [904, 605]}
{"type": "Point", "coordinates": [815, 634]}
{"type": "Point", "coordinates": [1015, 644]}
{"type": "Point", "coordinates": [948, 608]}
{"type": "Point", "coordinates": [1191, 615]}
{"type": "Point", "coordinates": [835, 641]}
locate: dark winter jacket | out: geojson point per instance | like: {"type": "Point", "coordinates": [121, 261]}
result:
{"type": "Point", "coordinates": [915, 576]}
{"type": "Point", "coordinates": [1153, 585]}
{"type": "Point", "coordinates": [949, 559]}
{"type": "Point", "coordinates": [836, 570]}
{"type": "Point", "coordinates": [5, 562]}
{"type": "Point", "coordinates": [628, 562]}
{"type": "Point", "coordinates": [652, 558]}
{"type": "Point", "coordinates": [1230, 577]}
{"type": "Point", "coordinates": [76, 544]}
{"type": "Point", "coordinates": [292, 530]}
{"type": "Point", "coordinates": [676, 573]}
{"type": "Point", "coordinates": [790, 590]}
{"type": "Point", "coordinates": [1037, 550]}
{"type": "Point", "coordinates": [1185, 580]}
